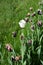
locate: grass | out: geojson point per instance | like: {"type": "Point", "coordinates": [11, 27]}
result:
{"type": "Point", "coordinates": [11, 12]}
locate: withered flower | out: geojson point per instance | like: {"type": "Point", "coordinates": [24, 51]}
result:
{"type": "Point", "coordinates": [30, 20]}
{"type": "Point", "coordinates": [33, 14]}
{"type": "Point", "coordinates": [8, 47]}
{"type": "Point", "coordinates": [14, 34]}
{"type": "Point", "coordinates": [22, 36]}
{"type": "Point", "coordinates": [39, 23]}
{"type": "Point", "coordinates": [12, 58]}
{"type": "Point", "coordinates": [26, 19]}
{"type": "Point", "coordinates": [17, 58]}
{"type": "Point", "coordinates": [32, 27]}
{"type": "Point", "coordinates": [40, 3]}
{"type": "Point", "coordinates": [39, 11]}
{"type": "Point", "coordinates": [28, 14]}
{"type": "Point", "coordinates": [29, 42]}
{"type": "Point", "coordinates": [31, 8]}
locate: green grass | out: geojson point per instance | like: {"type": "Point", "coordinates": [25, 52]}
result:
{"type": "Point", "coordinates": [11, 12]}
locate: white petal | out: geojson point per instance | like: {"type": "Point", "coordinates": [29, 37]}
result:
{"type": "Point", "coordinates": [22, 23]}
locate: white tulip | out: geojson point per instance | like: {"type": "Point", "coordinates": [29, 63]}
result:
{"type": "Point", "coordinates": [22, 23]}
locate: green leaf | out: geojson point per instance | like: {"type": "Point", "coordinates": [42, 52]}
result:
{"type": "Point", "coordinates": [23, 48]}
{"type": "Point", "coordinates": [41, 62]}
{"type": "Point", "coordinates": [24, 63]}
{"type": "Point", "coordinates": [39, 51]}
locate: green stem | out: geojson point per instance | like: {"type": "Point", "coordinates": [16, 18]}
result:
{"type": "Point", "coordinates": [32, 44]}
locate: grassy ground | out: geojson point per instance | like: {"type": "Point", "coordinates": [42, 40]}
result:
{"type": "Point", "coordinates": [11, 12]}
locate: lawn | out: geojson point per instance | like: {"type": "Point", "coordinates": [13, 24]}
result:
{"type": "Point", "coordinates": [11, 12]}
